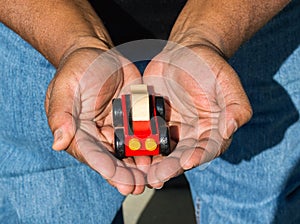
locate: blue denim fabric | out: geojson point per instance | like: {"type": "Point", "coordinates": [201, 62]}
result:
{"type": "Point", "coordinates": [258, 179]}
{"type": "Point", "coordinates": [37, 184]}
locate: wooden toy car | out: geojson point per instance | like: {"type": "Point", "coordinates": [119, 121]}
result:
{"type": "Point", "coordinates": [139, 124]}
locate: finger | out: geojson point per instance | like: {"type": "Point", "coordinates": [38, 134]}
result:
{"type": "Point", "coordinates": [91, 151]}
{"type": "Point", "coordinates": [143, 163]}
{"type": "Point", "coordinates": [60, 112]}
{"type": "Point", "coordinates": [128, 181]}
{"type": "Point", "coordinates": [232, 117]}
{"type": "Point", "coordinates": [235, 106]}
{"type": "Point", "coordinates": [125, 177]}
{"type": "Point", "coordinates": [161, 172]}
{"type": "Point", "coordinates": [152, 179]}
{"type": "Point", "coordinates": [62, 104]}
{"type": "Point", "coordinates": [209, 146]}
{"type": "Point", "coordinates": [123, 180]}
{"type": "Point", "coordinates": [139, 181]}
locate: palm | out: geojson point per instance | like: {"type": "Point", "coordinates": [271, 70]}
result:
{"type": "Point", "coordinates": [204, 95]}
{"type": "Point", "coordinates": [80, 97]}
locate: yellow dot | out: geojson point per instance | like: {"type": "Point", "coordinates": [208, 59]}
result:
{"type": "Point", "coordinates": [134, 144]}
{"type": "Point", "coordinates": [150, 144]}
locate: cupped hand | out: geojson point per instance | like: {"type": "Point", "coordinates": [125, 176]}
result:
{"type": "Point", "coordinates": [78, 106]}
{"type": "Point", "coordinates": [206, 105]}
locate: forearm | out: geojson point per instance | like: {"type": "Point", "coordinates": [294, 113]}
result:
{"type": "Point", "coordinates": [55, 27]}
{"type": "Point", "coordinates": [223, 24]}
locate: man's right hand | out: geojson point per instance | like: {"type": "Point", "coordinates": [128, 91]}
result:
{"type": "Point", "coordinates": [78, 106]}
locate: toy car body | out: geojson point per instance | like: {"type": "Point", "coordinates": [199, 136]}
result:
{"type": "Point", "coordinates": [139, 122]}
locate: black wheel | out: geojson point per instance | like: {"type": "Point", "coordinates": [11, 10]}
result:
{"type": "Point", "coordinates": [164, 141]}
{"type": "Point", "coordinates": [117, 113]}
{"type": "Point", "coordinates": [120, 143]}
{"type": "Point", "coordinates": [160, 107]}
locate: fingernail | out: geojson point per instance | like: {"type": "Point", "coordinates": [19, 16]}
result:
{"type": "Point", "coordinates": [231, 127]}
{"type": "Point", "coordinates": [158, 187]}
{"type": "Point", "coordinates": [58, 135]}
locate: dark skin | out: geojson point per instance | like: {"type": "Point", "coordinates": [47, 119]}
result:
{"type": "Point", "coordinates": [71, 36]}
{"type": "Point", "coordinates": [208, 32]}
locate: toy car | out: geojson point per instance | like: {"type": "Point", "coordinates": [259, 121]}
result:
{"type": "Point", "coordinates": [139, 124]}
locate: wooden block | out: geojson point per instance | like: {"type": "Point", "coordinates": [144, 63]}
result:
{"type": "Point", "coordinates": [140, 102]}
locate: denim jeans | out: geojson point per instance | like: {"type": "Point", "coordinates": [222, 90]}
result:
{"type": "Point", "coordinates": [257, 180]}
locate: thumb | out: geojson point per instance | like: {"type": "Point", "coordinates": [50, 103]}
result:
{"type": "Point", "coordinates": [233, 101]}
{"type": "Point", "coordinates": [233, 117]}
{"type": "Point", "coordinates": [61, 113]}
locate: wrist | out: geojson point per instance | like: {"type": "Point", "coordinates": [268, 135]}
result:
{"type": "Point", "coordinates": [223, 25]}
{"type": "Point", "coordinates": [55, 28]}
{"type": "Point", "coordinates": [88, 33]}
{"type": "Point", "coordinates": [202, 38]}
{"type": "Point", "coordinates": [85, 42]}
